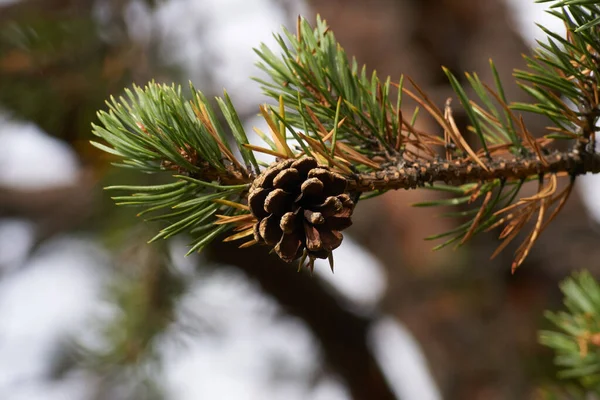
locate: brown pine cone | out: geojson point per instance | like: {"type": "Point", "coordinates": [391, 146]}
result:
{"type": "Point", "coordinates": [300, 205]}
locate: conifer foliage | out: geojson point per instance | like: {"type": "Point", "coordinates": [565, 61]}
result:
{"type": "Point", "coordinates": [349, 135]}
{"type": "Point", "coordinates": [577, 340]}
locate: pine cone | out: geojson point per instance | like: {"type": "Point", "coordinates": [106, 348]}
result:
{"type": "Point", "coordinates": [300, 205]}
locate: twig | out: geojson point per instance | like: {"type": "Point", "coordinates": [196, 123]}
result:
{"type": "Point", "coordinates": [459, 172]}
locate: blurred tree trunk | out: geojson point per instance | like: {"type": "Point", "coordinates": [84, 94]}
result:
{"type": "Point", "coordinates": [341, 333]}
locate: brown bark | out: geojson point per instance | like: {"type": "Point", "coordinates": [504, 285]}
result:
{"type": "Point", "coordinates": [461, 172]}
{"type": "Point", "coordinates": [53, 210]}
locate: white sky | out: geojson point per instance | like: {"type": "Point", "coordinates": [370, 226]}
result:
{"type": "Point", "coordinates": [527, 13]}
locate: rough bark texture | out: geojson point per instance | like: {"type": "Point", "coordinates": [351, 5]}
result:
{"type": "Point", "coordinates": [461, 172]}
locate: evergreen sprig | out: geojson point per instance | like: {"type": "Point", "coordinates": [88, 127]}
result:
{"type": "Point", "coordinates": [326, 92]}
{"type": "Point", "coordinates": [563, 75]}
{"type": "Point", "coordinates": [576, 342]}
{"type": "Point", "coordinates": [363, 129]}
{"type": "Point", "coordinates": [154, 130]}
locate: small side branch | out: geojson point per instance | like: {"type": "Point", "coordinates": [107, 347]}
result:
{"type": "Point", "coordinates": [459, 172]}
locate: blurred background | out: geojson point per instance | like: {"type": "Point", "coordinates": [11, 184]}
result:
{"type": "Point", "coordinates": [88, 310]}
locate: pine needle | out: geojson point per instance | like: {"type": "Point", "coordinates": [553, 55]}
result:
{"type": "Point", "coordinates": [248, 244]}
{"type": "Point", "coordinates": [232, 204]}
{"type": "Point", "coordinates": [233, 219]}
{"type": "Point", "coordinates": [266, 151]}
{"type": "Point", "coordinates": [534, 235]}
{"type": "Point", "coordinates": [459, 140]}
{"type": "Point", "coordinates": [278, 138]}
{"type": "Point", "coordinates": [239, 235]}
{"type": "Point", "coordinates": [477, 218]}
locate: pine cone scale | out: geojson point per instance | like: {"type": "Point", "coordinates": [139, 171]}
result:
{"type": "Point", "coordinates": [288, 222]}
{"type": "Point", "coordinates": [331, 206]}
{"type": "Point", "coordinates": [312, 187]}
{"type": "Point", "coordinates": [315, 218]}
{"type": "Point", "coordinates": [338, 224]}
{"type": "Point", "coordinates": [269, 230]}
{"type": "Point", "coordinates": [330, 240]}
{"type": "Point", "coordinates": [278, 202]}
{"type": "Point", "coordinates": [286, 179]}
{"type": "Point", "coordinates": [335, 183]}
{"type": "Point", "coordinates": [287, 248]}
{"type": "Point", "coordinates": [266, 179]}
{"type": "Point", "coordinates": [313, 238]}
{"type": "Point", "coordinates": [256, 203]}
{"type": "Point", "coordinates": [304, 165]}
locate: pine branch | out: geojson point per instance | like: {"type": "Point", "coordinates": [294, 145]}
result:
{"type": "Point", "coordinates": [341, 135]}
{"type": "Point", "coordinates": [459, 172]}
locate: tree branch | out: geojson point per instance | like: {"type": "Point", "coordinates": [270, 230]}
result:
{"type": "Point", "coordinates": [460, 172]}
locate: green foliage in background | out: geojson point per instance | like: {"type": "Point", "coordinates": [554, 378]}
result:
{"type": "Point", "coordinates": [576, 341]}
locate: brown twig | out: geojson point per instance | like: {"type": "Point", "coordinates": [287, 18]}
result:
{"type": "Point", "coordinates": [460, 172]}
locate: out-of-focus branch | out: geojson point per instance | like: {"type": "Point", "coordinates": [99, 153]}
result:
{"type": "Point", "coordinates": [48, 8]}
{"type": "Point", "coordinates": [342, 334]}
{"type": "Point", "coordinates": [54, 209]}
